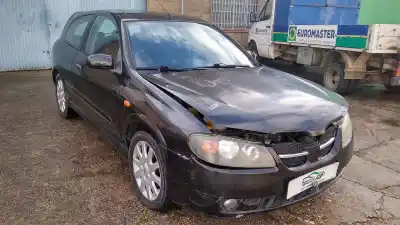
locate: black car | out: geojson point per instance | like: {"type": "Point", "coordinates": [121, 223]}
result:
{"type": "Point", "coordinates": [199, 121]}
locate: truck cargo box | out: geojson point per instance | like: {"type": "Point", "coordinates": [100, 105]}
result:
{"type": "Point", "coordinates": [335, 23]}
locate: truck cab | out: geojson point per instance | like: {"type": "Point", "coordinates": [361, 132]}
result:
{"type": "Point", "coordinates": [260, 34]}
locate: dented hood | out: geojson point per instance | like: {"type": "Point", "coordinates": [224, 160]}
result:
{"type": "Point", "coordinates": [258, 99]}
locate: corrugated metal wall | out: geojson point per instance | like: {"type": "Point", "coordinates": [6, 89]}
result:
{"type": "Point", "coordinates": [28, 28]}
{"type": "Point", "coordinates": [231, 14]}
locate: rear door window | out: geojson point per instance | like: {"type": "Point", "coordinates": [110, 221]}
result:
{"type": "Point", "coordinates": [75, 33]}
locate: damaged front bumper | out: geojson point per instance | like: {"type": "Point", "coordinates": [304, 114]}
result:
{"type": "Point", "coordinates": [208, 188]}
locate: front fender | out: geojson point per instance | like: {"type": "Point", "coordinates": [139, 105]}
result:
{"type": "Point", "coordinates": [140, 121]}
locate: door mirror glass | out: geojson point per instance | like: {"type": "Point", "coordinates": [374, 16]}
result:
{"type": "Point", "coordinates": [253, 17]}
{"type": "Point", "coordinates": [100, 61]}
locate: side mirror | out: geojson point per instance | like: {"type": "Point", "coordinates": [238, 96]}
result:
{"type": "Point", "coordinates": [100, 61]}
{"type": "Point", "coordinates": [253, 17]}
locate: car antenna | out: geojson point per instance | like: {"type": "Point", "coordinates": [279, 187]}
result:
{"type": "Point", "coordinates": [169, 15]}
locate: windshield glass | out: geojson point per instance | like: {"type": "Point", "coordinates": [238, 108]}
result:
{"type": "Point", "coordinates": [181, 45]}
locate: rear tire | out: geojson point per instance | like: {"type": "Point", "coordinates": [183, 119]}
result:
{"type": "Point", "coordinates": [334, 78]}
{"type": "Point", "coordinates": [148, 169]}
{"type": "Point", "coordinates": [64, 109]}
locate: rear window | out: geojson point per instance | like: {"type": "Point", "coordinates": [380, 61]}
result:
{"type": "Point", "coordinates": [76, 31]}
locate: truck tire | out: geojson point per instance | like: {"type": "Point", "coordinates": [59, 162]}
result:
{"type": "Point", "coordinates": [334, 78]}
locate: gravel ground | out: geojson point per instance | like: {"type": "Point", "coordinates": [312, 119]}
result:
{"type": "Point", "coordinates": [54, 171]}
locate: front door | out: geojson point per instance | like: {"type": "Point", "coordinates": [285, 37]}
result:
{"type": "Point", "coordinates": [103, 85]}
{"type": "Point", "coordinates": [263, 30]}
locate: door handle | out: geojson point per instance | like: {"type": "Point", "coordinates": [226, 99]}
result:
{"type": "Point", "coordinates": [268, 26]}
{"type": "Point", "coordinates": [78, 66]}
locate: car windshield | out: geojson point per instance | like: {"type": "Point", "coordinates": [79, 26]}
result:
{"type": "Point", "coordinates": [182, 45]}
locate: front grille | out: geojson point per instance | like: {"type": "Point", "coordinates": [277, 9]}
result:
{"type": "Point", "coordinates": [302, 143]}
{"type": "Point", "coordinates": [293, 147]}
{"type": "Point", "coordinates": [296, 161]}
{"type": "Point", "coordinates": [330, 133]}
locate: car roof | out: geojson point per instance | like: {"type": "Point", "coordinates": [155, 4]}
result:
{"type": "Point", "coordinates": [121, 14]}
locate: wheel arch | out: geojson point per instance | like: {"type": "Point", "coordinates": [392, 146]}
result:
{"type": "Point", "coordinates": [139, 122]}
{"type": "Point", "coordinates": [333, 56]}
{"type": "Point", "coordinates": [54, 73]}
{"type": "Point", "coordinates": [252, 41]}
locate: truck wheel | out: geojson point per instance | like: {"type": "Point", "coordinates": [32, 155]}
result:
{"type": "Point", "coordinates": [334, 78]}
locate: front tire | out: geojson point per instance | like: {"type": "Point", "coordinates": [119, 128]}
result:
{"type": "Point", "coordinates": [147, 165]}
{"type": "Point", "coordinates": [62, 99]}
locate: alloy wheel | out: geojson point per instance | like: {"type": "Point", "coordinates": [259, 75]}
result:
{"type": "Point", "coordinates": [61, 96]}
{"type": "Point", "coordinates": [146, 170]}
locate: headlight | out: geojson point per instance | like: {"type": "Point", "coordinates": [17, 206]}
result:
{"type": "Point", "coordinates": [347, 130]}
{"type": "Point", "coordinates": [231, 152]}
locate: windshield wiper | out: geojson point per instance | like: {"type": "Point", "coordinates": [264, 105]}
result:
{"type": "Point", "coordinates": [162, 69]}
{"type": "Point", "coordinates": [166, 69]}
{"type": "Point", "coordinates": [221, 65]}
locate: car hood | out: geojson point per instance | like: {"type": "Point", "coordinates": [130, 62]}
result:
{"type": "Point", "coordinates": [258, 99]}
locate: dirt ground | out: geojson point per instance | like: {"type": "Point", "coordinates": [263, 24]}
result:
{"type": "Point", "coordinates": [54, 171]}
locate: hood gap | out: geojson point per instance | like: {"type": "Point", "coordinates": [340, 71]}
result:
{"type": "Point", "coordinates": [203, 119]}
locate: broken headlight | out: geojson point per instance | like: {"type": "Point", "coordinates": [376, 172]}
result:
{"type": "Point", "coordinates": [231, 152]}
{"type": "Point", "coordinates": [347, 130]}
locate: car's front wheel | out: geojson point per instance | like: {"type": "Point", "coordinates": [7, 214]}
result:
{"type": "Point", "coordinates": [62, 99]}
{"type": "Point", "coordinates": [148, 171]}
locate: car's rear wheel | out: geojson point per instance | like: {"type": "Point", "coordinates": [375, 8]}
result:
{"type": "Point", "coordinates": [148, 172]}
{"type": "Point", "coordinates": [62, 99]}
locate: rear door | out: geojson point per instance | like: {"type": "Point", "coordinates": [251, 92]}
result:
{"type": "Point", "coordinates": [73, 42]}
{"type": "Point", "coordinates": [102, 86]}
